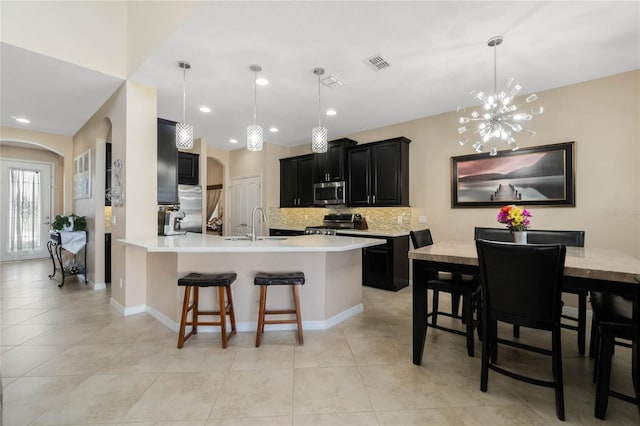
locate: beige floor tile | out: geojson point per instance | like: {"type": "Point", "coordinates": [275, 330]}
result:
{"type": "Point", "coordinates": [252, 421]}
{"type": "Point", "coordinates": [263, 358]}
{"type": "Point", "coordinates": [66, 334]}
{"type": "Point", "coordinates": [400, 387]}
{"type": "Point", "coordinates": [363, 325]}
{"type": "Point", "coordinates": [374, 350]}
{"type": "Point", "coordinates": [329, 390]}
{"type": "Point", "coordinates": [16, 316]}
{"type": "Point", "coordinates": [99, 399]}
{"type": "Point", "coordinates": [498, 416]}
{"type": "Point", "coordinates": [427, 416]}
{"type": "Point", "coordinates": [324, 351]}
{"type": "Point", "coordinates": [79, 359]}
{"type": "Point", "coordinates": [170, 423]}
{"type": "Point", "coordinates": [254, 393]}
{"type": "Point", "coordinates": [27, 398]}
{"type": "Point", "coordinates": [337, 419]}
{"type": "Point", "coordinates": [20, 333]}
{"type": "Point", "coordinates": [205, 359]}
{"type": "Point", "coordinates": [140, 358]}
{"type": "Point", "coordinates": [177, 396]}
{"type": "Point", "coordinates": [22, 359]}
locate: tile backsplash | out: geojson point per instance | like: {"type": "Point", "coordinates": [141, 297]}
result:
{"type": "Point", "coordinates": [378, 218]}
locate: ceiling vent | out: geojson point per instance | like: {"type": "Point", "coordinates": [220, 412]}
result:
{"type": "Point", "coordinates": [377, 62]}
{"type": "Point", "coordinates": [332, 81]}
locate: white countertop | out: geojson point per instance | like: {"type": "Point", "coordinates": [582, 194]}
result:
{"type": "Point", "coordinates": [367, 232]}
{"type": "Point", "coordinates": [203, 243]}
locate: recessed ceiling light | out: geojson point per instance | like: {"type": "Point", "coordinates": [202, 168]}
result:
{"type": "Point", "coordinates": [205, 108]}
{"type": "Point", "coordinates": [233, 140]}
{"type": "Point", "coordinates": [23, 120]}
{"type": "Point", "coordinates": [274, 130]}
{"type": "Point", "coordinates": [261, 81]}
{"type": "Point", "coordinates": [331, 111]}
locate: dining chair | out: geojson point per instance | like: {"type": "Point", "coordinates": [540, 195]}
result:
{"type": "Point", "coordinates": [521, 284]}
{"type": "Point", "coordinates": [457, 286]}
{"type": "Point", "coordinates": [567, 238]}
{"type": "Point", "coordinates": [612, 325]}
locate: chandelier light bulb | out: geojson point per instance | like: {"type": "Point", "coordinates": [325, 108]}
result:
{"type": "Point", "coordinates": [495, 126]}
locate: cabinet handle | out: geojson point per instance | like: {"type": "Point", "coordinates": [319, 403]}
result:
{"type": "Point", "coordinates": [368, 198]}
{"type": "Point", "coordinates": [374, 199]}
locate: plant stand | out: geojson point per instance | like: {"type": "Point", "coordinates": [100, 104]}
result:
{"type": "Point", "coordinates": [60, 241]}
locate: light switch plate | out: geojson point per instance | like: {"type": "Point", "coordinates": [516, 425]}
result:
{"type": "Point", "coordinates": [422, 219]}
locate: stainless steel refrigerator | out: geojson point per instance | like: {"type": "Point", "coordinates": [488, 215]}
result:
{"type": "Point", "coordinates": [190, 198]}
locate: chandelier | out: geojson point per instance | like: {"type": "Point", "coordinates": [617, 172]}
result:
{"type": "Point", "coordinates": [499, 118]}
{"type": "Point", "coordinates": [319, 134]}
{"type": "Point", "coordinates": [254, 131]}
{"type": "Point", "coordinates": [184, 131]}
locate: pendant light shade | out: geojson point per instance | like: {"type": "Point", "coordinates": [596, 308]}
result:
{"type": "Point", "coordinates": [319, 134]}
{"type": "Point", "coordinates": [254, 132]}
{"type": "Point", "coordinates": [184, 131]}
{"type": "Point", "coordinates": [499, 119]}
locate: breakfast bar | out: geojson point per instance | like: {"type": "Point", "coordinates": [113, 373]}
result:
{"type": "Point", "coordinates": [332, 266]}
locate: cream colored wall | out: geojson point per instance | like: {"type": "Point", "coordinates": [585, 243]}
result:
{"type": "Point", "coordinates": [144, 35]}
{"type": "Point", "coordinates": [61, 145]}
{"type": "Point", "coordinates": [45, 156]}
{"type": "Point", "coordinates": [601, 116]}
{"type": "Point", "coordinates": [215, 172]}
{"type": "Point", "coordinates": [49, 27]}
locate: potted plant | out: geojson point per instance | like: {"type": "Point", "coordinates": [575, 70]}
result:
{"type": "Point", "coordinates": [517, 221]}
{"type": "Point", "coordinates": [72, 222]}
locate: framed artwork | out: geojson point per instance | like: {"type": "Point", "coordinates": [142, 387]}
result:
{"type": "Point", "coordinates": [542, 175]}
{"type": "Point", "coordinates": [82, 176]}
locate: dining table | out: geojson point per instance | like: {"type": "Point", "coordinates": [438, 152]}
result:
{"type": "Point", "coordinates": [592, 269]}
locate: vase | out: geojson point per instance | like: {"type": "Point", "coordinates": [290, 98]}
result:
{"type": "Point", "coordinates": [520, 237]}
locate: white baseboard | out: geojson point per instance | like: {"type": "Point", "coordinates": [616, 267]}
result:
{"type": "Point", "coordinates": [132, 310]}
{"type": "Point", "coordinates": [99, 286]}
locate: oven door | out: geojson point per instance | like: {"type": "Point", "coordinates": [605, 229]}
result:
{"type": "Point", "coordinates": [328, 193]}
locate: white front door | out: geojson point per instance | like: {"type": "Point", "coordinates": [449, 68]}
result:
{"type": "Point", "coordinates": [246, 195]}
{"type": "Point", "coordinates": [25, 209]}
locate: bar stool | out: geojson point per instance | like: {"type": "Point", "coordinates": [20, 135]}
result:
{"type": "Point", "coordinates": [195, 281]}
{"type": "Point", "coordinates": [264, 280]}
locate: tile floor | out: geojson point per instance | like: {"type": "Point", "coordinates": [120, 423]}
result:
{"type": "Point", "coordinates": [68, 358]}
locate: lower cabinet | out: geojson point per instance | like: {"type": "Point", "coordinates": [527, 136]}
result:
{"type": "Point", "coordinates": [387, 266]}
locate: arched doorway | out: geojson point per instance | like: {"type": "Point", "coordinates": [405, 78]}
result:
{"type": "Point", "coordinates": [215, 197]}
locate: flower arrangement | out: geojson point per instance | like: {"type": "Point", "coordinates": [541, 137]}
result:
{"type": "Point", "coordinates": [72, 222]}
{"type": "Point", "coordinates": [516, 218]}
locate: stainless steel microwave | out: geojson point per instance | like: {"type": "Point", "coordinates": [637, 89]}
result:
{"type": "Point", "coordinates": [327, 193]}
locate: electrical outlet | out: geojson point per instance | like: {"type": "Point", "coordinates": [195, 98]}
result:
{"type": "Point", "coordinates": [120, 282]}
{"type": "Point", "coordinates": [399, 218]}
{"type": "Point", "coordinates": [422, 219]}
{"type": "Point", "coordinates": [113, 219]}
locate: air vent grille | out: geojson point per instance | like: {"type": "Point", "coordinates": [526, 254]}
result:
{"type": "Point", "coordinates": [378, 62]}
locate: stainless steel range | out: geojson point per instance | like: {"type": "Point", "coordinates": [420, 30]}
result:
{"type": "Point", "coordinates": [337, 221]}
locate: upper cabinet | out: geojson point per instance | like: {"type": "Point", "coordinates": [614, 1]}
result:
{"type": "Point", "coordinates": [331, 166]}
{"type": "Point", "coordinates": [296, 181]}
{"type": "Point", "coordinates": [188, 168]}
{"type": "Point", "coordinates": [167, 162]}
{"type": "Point", "coordinates": [378, 173]}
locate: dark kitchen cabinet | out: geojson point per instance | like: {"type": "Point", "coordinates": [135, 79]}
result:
{"type": "Point", "coordinates": [107, 177]}
{"type": "Point", "coordinates": [296, 181]}
{"type": "Point", "coordinates": [386, 266]}
{"type": "Point", "coordinates": [167, 162]}
{"type": "Point", "coordinates": [107, 257]}
{"type": "Point", "coordinates": [378, 173]}
{"type": "Point", "coordinates": [284, 232]}
{"type": "Point", "coordinates": [331, 165]}
{"type": "Point", "coordinates": [188, 168]}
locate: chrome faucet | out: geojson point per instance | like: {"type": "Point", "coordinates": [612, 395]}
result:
{"type": "Point", "coordinates": [252, 235]}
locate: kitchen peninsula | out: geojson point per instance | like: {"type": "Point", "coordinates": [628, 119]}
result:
{"type": "Point", "coordinates": [332, 267]}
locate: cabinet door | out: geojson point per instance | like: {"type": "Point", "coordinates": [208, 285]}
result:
{"type": "Point", "coordinates": [288, 182]}
{"type": "Point", "coordinates": [167, 162]}
{"type": "Point", "coordinates": [321, 167]}
{"type": "Point", "coordinates": [335, 162]}
{"type": "Point", "coordinates": [359, 175]}
{"type": "Point", "coordinates": [188, 168]}
{"type": "Point", "coordinates": [377, 267]}
{"type": "Point", "coordinates": [385, 174]}
{"type": "Point", "coordinates": [306, 180]}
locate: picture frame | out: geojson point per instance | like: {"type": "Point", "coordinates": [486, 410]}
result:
{"type": "Point", "coordinates": [82, 176]}
{"type": "Point", "coordinates": [542, 176]}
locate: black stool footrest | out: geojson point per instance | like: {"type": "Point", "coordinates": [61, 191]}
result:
{"type": "Point", "coordinates": [279, 278]}
{"type": "Point", "coordinates": [207, 280]}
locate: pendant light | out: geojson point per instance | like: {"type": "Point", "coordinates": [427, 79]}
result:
{"type": "Point", "coordinates": [319, 134]}
{"type": "Point", "coordinates": [184, 131]}
{"type": "Point", "coordinates": [254, 132]}
{"type": "Point", "coordinates": [500, 117]}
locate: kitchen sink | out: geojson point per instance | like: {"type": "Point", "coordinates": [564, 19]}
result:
{"type": "Point", "coordinates": [271, 238]}
{"type": "Point", "coordinates": [236, 238]}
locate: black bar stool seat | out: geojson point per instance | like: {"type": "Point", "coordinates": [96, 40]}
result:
{"type": "Point", "coordinates": [266, 279]}
{"type": "Point", "coordinates": [194, 281]}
